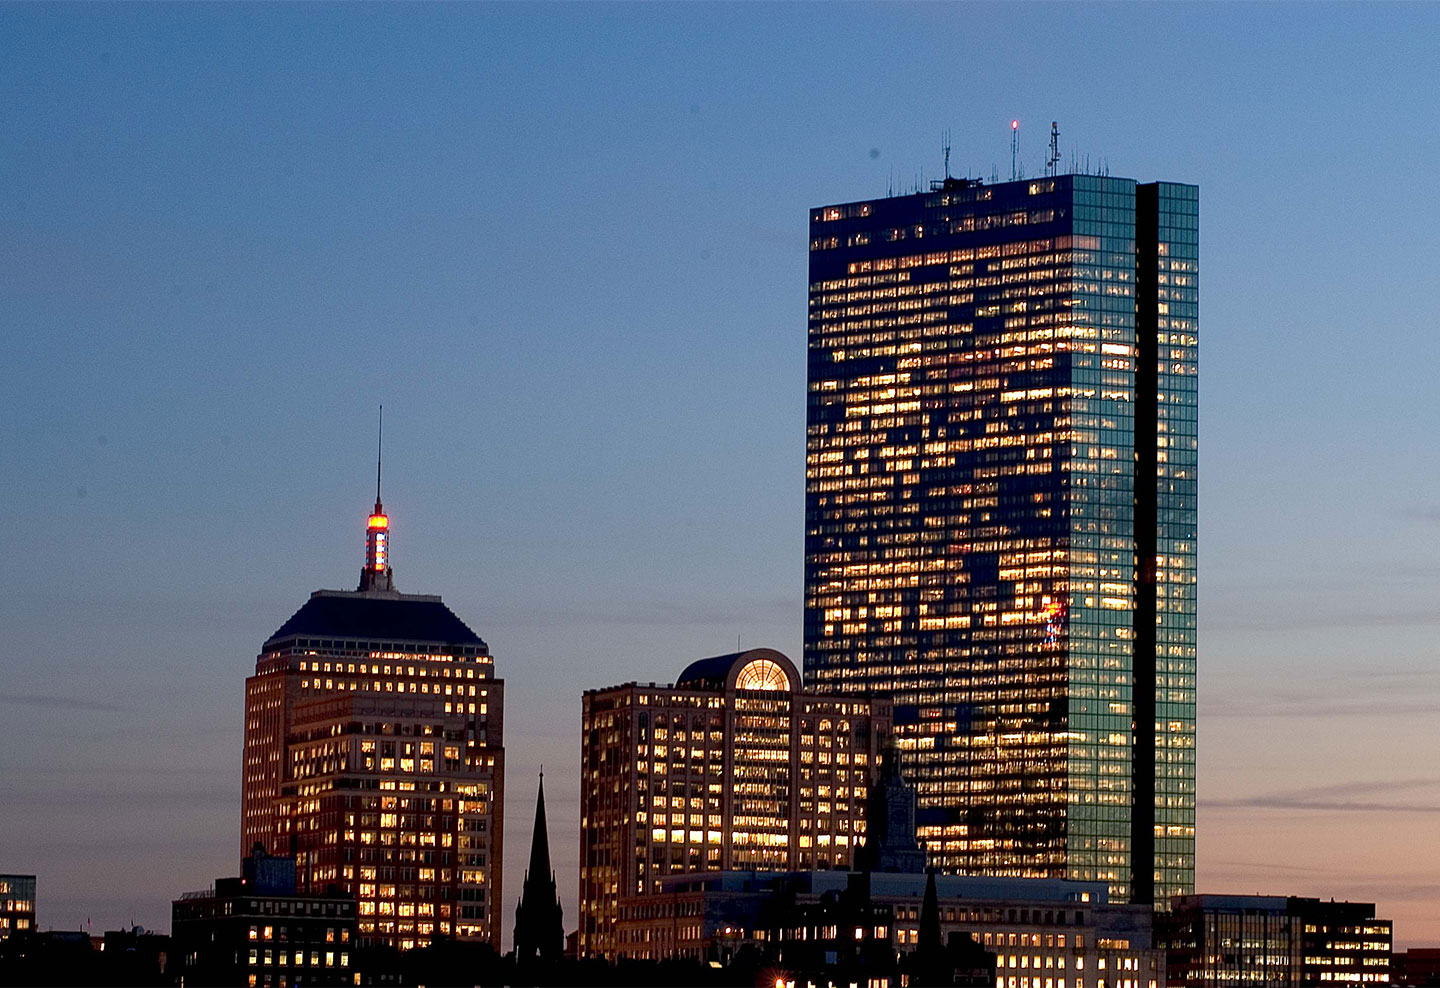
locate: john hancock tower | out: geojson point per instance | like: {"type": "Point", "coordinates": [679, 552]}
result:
{"type": "Point", "coordinates": [1000, 514]}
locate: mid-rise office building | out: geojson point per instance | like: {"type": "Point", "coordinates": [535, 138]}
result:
{"type": "Point", "coordinates": [1001, 514]}
{"type": "Point", "coordinates": [17, 904]}
{"type": "Point", "coordinates": [735, 766]}
{"type": "Point", "coordinates": [1272, 941]}
{"type": "Point", "coordinates": [374, 756]}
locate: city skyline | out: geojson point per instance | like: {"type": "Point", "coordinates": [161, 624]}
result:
{"type": "Point", "coordinates": [228, 235]}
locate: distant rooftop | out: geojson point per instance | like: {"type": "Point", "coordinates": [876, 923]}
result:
{"type": "Point", "coordinates": [709, 672]}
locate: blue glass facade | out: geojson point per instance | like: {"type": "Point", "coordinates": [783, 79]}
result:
{"type": "Point", "coordinates": [980, 407]}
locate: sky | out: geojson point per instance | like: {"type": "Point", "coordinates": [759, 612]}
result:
{"type": "Point", "coordinates": [566, 247]}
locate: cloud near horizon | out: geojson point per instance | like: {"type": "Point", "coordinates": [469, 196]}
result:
{"type": "Point", "coordinates": [1347, 797]}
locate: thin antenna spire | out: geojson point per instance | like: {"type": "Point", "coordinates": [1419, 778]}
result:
{"type": "Point", "coordinates": [376, 574]}
{"type": "Point", "coordinates": [1054, 157]}
{"type": "Point", "coordinates": [379, 451]}
{"type": "Point", "coordinates": [1014, 146]}
{"type": "Point", "coordinates": [946, 139]}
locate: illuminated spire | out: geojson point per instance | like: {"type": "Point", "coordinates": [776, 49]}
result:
{"type": "Point", "coordinates": [376, 574]}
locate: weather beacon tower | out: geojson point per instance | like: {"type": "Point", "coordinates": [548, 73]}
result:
{"type": "Point", "coordinates": [374, 755]}
{"type": "Point", "coordinates": [1001, 514]}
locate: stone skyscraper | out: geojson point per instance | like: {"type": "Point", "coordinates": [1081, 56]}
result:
{"type": "Point", "coordinates": [374, 755]}
{"type": "Point", "coordinates": [1001, 514]}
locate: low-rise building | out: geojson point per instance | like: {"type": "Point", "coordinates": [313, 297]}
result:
{"type": "Point", "coordinates": [1044, 933]}
{"type": "Point", "coordinates": [256, 930]}
{"type": "Point", "coordinates": [17, 904]}
{"type": "Point", "coordinates": [1418, 966]}
{"type": "Point", "coordinates": [136, 956]}
{"type": "Point", "coordinates": [1268, 941]}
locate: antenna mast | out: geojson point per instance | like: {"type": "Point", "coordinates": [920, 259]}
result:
{"type": "Point", "coordinates": [1054, 158]}
{"type": "Point", "coordinates": [946, 145]}
{"type": "Point", "coordinates": [1014, 146]}
{"type": "Point", "coordinates": [379, 451]}
{"type": "Point", "coordinates": [376, 575]}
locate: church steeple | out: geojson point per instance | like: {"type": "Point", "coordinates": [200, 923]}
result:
{"type": "Point", "coordinates": [376, 575]}
{"type": "Point", "coordinates": [539, 919]}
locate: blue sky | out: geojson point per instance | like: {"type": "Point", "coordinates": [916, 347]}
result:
{"type": "Point", "coordinates": [565, 246]}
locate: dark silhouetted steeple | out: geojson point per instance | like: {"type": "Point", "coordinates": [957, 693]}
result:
{"type": "Point", "coordinates": [539, 920]}
{"type": "Point", "coordinates": [930, 942]}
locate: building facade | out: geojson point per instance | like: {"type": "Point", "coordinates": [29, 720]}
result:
{"type": "Point", "coordinates": [1271, 941]}
{"type": "Point", "coordinates": [257, 930]}
{"type": "Point", "coordinates": [1001, 514]}
{"type": "Point", "coordinates": [1418, 966]}
{"type": "Point", "coordinates": [374, 755]}
{"type": "Point", "coordinates": [1044, 933]}
{"type": "Point", "coordinates": [17, 904]}
{"type": "Point", "coordinates": [732, 767]}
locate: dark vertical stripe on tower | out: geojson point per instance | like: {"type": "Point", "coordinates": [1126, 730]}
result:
{"type": "Point", "coordinates": [1147, 387]}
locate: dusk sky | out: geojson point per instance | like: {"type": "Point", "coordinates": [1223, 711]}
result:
{"type": "Point", "coordinates": [566, 247]}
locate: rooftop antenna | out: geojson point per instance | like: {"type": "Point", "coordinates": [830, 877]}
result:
{"type": "Point", "coordinates": [1054, 158]}
{"type": "Point", "coordinates": [376, 574]}
{"type": "Point", "coordinates": [946, 145]}
{"type": "Point", "coordinates": [1014, 146]}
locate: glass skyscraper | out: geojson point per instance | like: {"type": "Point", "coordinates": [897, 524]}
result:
{"type": "Point", "coordinates": [1000, 514]}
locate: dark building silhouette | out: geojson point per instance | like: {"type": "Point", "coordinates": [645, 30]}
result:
{"type": "Point", "coordinates": [1418, 966]}
{"type": "Point", "coordinates": [539, 919]}
{"type": "Point", "coordinates": [930, 917]}
{"type": "Point", "coordinates": [840, 938]}
{"type": "Point", "coordinates": [55, 957]}
{"type": "Point", "coordinates": [257, 930]}
{"type": "Point", "coordinates": [137, 956]}
{"type": "Point", "coordinates": [890, 843]}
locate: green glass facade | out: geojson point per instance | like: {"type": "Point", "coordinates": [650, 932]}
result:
{"type": "Point", "coordinates": [1173, 301]}
{"type": "Point", "coordinates": [982, 399]}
